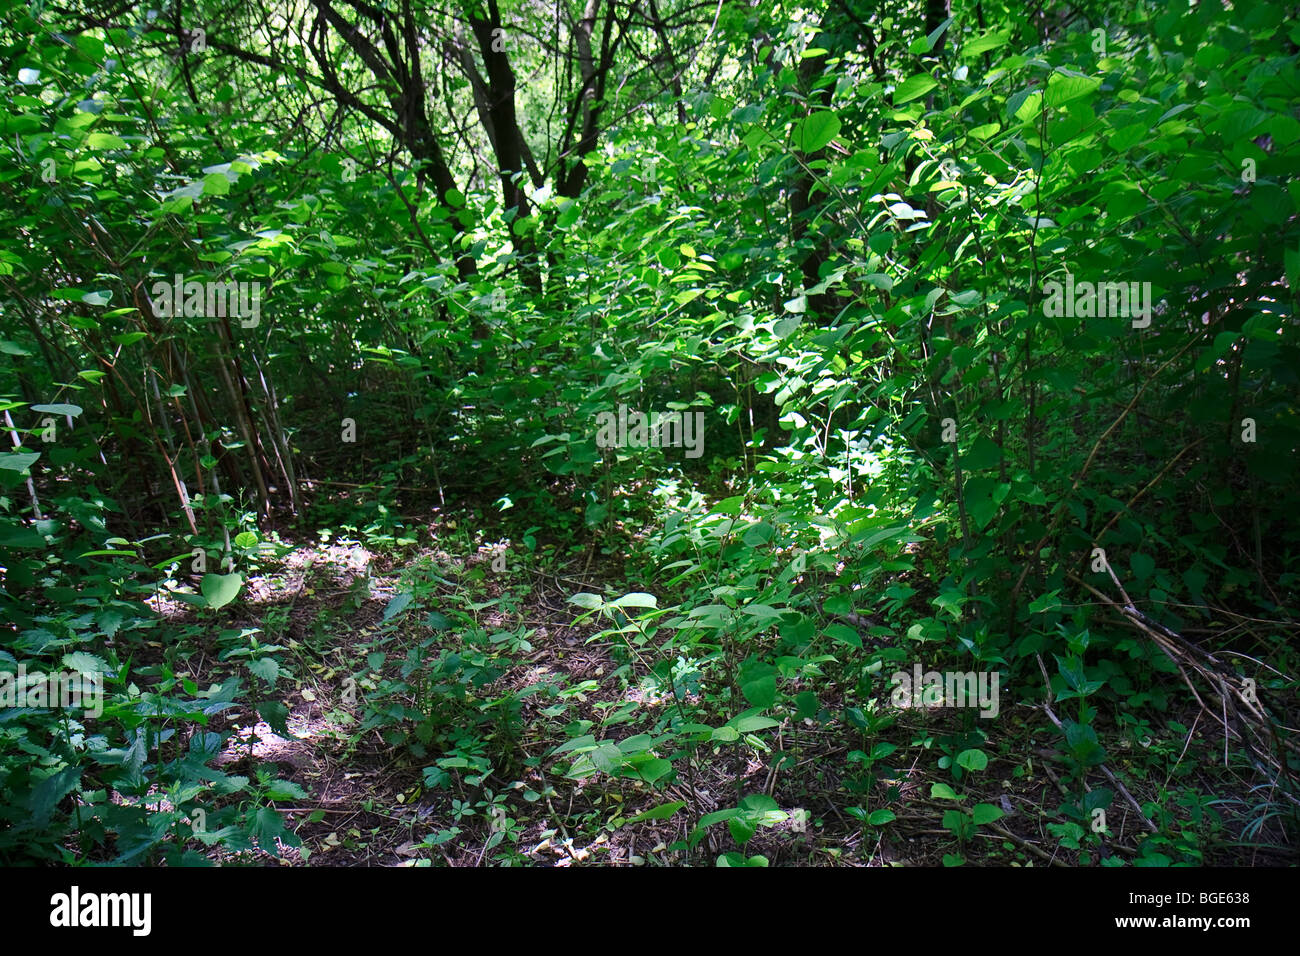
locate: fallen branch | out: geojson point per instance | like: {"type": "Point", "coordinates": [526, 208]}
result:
{"type": "Point", "coordinates": [1241, 712]}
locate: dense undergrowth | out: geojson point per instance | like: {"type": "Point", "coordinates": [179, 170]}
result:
{"type": "Point", "coordinates": [362, 584]}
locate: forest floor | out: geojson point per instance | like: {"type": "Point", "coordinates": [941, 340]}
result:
{"type": "Point", "coordinates": [330, 607]}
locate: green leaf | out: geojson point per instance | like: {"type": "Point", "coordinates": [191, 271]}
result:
{"type": "Point", "coordinates": [216, 184]}
{"type": "Point", "coordinates": [285, 790]}
{"type": "Point", "coordinates": [585, 742]}
{"type": "Point", "coordinates": [91, 47]}
{"type": "Point", "coordinates": [73, 410]}
{"type": "Point", "coordinates": [758, 684]}
{"type": "Point", "coordinates": [84, 663]}
{"type": "Point", "coordinates": [1062, 89]}
{"type": "Point", "coordinates": [879, 818]}
{"type": "Point", "coordinates": [652, 770]}
{"type": "Point", "coordinates": [764, 612]}
{"type": "Point", "coordinates": [1024, 105]}
{"type": "Point", "coordinates": [749, 724]}
{"type": "Point", "coordinates": [1083, 743]}
{"type": "Point", "coordinates": [606, 757]}
{"type": "Point", "coordinates": [742, 827]}
{"type": "Point", "coordinates": [985, 813]}
{"type": "Point", "coordinates": [717, 816]}
{"type": "Point", "coordinates": [933, 37]}
{"type": "Point", "coordinates": [276, 716]}
{"type": "Point", "coordinates": [987, 43]}
{"type": "Point", "coordinates": [957, 821]}
{"type": "Point", "coordinates": [21, 537]}
{"type": "Point", "coordinates": [972, 760]}
{"type": "Point", "coordinates": [98, 141]}
{"type": "Point", "coordinates": [984, 454]}
{"type": "Point", "coordinates": [1143, 565]}
{"type": "Point", "coordinates": [635, 599]}
{"type": "Point", "coordinates": [844, 634]}
{"type": "Point", "coordinates": [397, 605]}
{"type": "Point", "coordinates": [46, 796]}
{"type": "Point", "coordinates": [1045, 602]}
{"type": "Point", "coordinates": [265, 668]}
{"type": "Point", "coordinates": [661, 812]}
{"type": "Point", "coordinates": [816, 131]}
{"type": "Point", "coordinates": [914, 86]}
{"type": "Point", "coordinates": [941, 791]}
{"type": "Point", "coordinates": [784, 328]}
{"type": "Point", "coordinates": [18, 461]}
{"type": "Point", "coordinates": [568, 216]}
{"type": "Point", "coordinates": [806, 703]}
{"type": "Point", "coordinates": [984, 496]}
{"type": "Point", "coordinates": [220, 589]}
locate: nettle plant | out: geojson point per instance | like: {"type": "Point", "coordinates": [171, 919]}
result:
{"type": "Point", "coordinates": [144, 777]}
{"type": "Point", "coordinates": [961, 822]}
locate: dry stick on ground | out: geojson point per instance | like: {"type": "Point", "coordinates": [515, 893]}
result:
{"type": "Point", "coordinates": [1159, 639]}
{"type": "Point", "coordinates": [1187, 655]}
{"type": "Point", "coordinates": [1021, 841]}
{"type": "Point", "coordinates": [1047, 709]}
